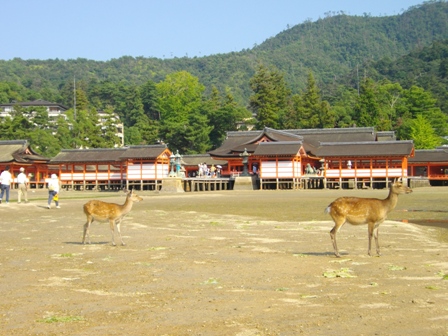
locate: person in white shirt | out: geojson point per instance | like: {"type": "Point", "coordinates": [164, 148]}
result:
{"type": "Point", "coordinates": [22, 180]}
{"type": "Point", "coordinates": [53, 191]}
{"type": "Point", "coordinates": [6, 180]}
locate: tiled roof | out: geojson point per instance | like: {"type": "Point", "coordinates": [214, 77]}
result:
{"type": "Point", "coordinates": [364, 149]}
{"type": "Point", "coordinates": [38, 102]}
{"type": "Point", "coordinates": [109, 154]}
{"type": "Point", "coordinates": [18, 151]}
{"type": "Point", "coordinates": [88, 155]}
{"type": "Point", "coordinates": [194, 160]}
{"type": "Point", "coordinates": [328, 142]}
{"type": "Point", "coordinates": [236, 142]}
{"type": "Point", "coordinates": [349, 134]}
{"type": "Point", "coordinates": [430, 155]}
{"type": "Point", "coordinates": [287, 148]}
{"type": "Point", "coordinates": [144, 152]}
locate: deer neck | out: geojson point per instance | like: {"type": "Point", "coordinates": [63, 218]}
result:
{"type": "Point", "coordinates": [127, 206]}
{"type": "Point", "coordinates": [391, 201]}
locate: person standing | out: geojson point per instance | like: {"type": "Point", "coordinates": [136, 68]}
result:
{"type": "Point", "coordinates": [6, 180]}
{"type": "Point", "coordinates": [53, 191]}
{"type": "Point", "coordinates": [22, 180]}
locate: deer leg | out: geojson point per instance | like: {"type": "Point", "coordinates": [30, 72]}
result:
{"type": "Point", "coordinates": [339, 221]}
{"type": "Point", "coordinates": [86, 231]}
{"type": "Point", "coordinates": [333, 240]}
{"type": "Point", "coordinates": [375, 234]}
{"type": "Point", "coordinates": [333, 232]}
{"type": "Point", "coordinates": [371, 232]}
{"type": "Point", "coordinates": [119, 231]}
{"type": "Point", "coordinates": [112, 229]}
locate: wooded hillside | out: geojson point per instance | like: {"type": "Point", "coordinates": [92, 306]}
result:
{"type": "Point", "coordinates": [338, 71]}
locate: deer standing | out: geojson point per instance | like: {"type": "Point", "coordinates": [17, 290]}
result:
{"type": "Point", "coordinates": [108, 212]}
{"type": "Point", "coordinates": [370, 211]}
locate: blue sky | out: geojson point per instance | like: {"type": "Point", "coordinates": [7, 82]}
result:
{"type": "Point", "coordinates": [106, 29]}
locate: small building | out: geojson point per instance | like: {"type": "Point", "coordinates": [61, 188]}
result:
{"type": "Point", "coordinates": [54, 109]}
{"type": "Point", "coordinates": [429, 166]}
{"type": "Point", "coordinates": [317, 158]}
{"type": "Point", "coordinates": [17, 154]}
{"type": "Point", "coordinates": [137, 167]}
{"type": "Point", "coordinates": [191, 163]}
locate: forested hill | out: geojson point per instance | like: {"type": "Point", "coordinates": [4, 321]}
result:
{"type": "Point", "coordinates": [331, 47]}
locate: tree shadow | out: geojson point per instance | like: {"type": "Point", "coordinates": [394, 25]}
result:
{"type": "Point", "coordinates": [319, 254]}
{"type": "Point", "coordinates": [93, 243]}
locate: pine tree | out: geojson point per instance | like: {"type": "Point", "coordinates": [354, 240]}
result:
{"type": "Point", "coordinates": [269, 101]}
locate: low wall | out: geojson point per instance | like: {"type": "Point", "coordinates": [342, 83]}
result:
{"type": "Point", "coordinates": [417, 183]}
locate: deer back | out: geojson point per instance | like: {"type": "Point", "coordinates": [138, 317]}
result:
{"type": "Point", "coordinates": [105, 211]}
{"type": "Point", "coordinates": [357, 210]}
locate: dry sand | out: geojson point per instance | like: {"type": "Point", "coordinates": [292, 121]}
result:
{"type": "Point", "coordinates": [223, 263]}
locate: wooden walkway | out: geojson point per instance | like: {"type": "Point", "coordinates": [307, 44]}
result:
{"type": "Point", "coordinates": [207, 184]}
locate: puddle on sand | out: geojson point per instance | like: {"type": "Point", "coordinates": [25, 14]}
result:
{"type": "Point", "coordinates": [440, 224]}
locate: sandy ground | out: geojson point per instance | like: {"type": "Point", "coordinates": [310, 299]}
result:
{"type": "Point", "coordinates": [223, 263]}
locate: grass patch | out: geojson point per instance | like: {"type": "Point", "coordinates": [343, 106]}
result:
{"type": "Point", "coordinates": [396, 268]}
{"type": "Point", "coordinates": [443, 275]}
{"type": "Point", "coordinates": [157, 248]}
{"type": "Point", "coordinates": [65, 255]}
{"type": "Point", "coordinates": [61, 319]}
{"type": "Point", "coordinates": [340, 261]}
{"type": "Point", "coordinates": [342, 273]}
{"type": "Point", "coordinates": [210, 281]}
{"type": "Point", "coordinates": [281, 289]}
{"type": "Point", "coordinates": [432, 287]}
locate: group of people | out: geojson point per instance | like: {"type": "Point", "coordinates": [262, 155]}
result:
{"type": "Point", "coordinates": [6, 179]}
{"type": "Point", "coordinates": [205, 171]}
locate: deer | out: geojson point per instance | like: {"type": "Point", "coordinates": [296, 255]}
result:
{"type": "Point", "coordinates": [108, 212]}
{"type": "Point", "coordinates": [370, 211]}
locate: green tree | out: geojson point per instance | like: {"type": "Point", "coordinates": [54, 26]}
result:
{"type": "Point", "coordinates": [421, 102]}
{"type": "Point", "coordinates": [182, 126]}
{"type": "Point", "coordinates": [148, 95]}
{"type": "Point", "coordinates": [423, 134]}
{"type": "Point", "coordinates": [109, 129]}
{"type": "Point", "coordinates": [44, 142]}
{"type": "Point", "coordinates": [269, 102]}
{"type": "Point", "coordinates": [63, 133]}
{"type": "Point", "coordinates": [367, 108]}
{"type": "Point", "coordinates": [223, 114]}
{"type": "Point", "coordinates": [310, 108]}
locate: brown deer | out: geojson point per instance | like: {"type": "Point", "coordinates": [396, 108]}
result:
{"type": "Point", "coordinates": [108, 212]}
{"type": "Point", "coordinates": [370, 211]}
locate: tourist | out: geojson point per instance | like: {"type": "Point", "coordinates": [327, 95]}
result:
{"type": "Point", "coordinates": [6, 180]}
{"type": "Point", "coordinates": [22, 180]}
{"type": "Point", "coordinates": [53, 191]}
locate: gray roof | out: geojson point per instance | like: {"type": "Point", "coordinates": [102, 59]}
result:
{"type": "Point", "coordinates": [88, 155]}
{"type": "Point", "coordinates": [350, 134]}
{"type": "Point", "coordinates": [38, 102]}
{"type": "Point", "coordinates": [364, 149]}
{"type": "Point", "coordinates": [109, 154]}
{"type": "Point", "coordinates": [285, 148]}
{"type": "Point", "coordinates": [144, 152]}
{"type": "Point", "coordinates": [194, 160]}
{"type": "Point", "coordinates": [19, 151]}
{"type": "Point", "coordinates": [430, 155]}
{"type": "Point", "coordinates": [237, 142]}
{"type": "Point", "coordinates": [353, 141]}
